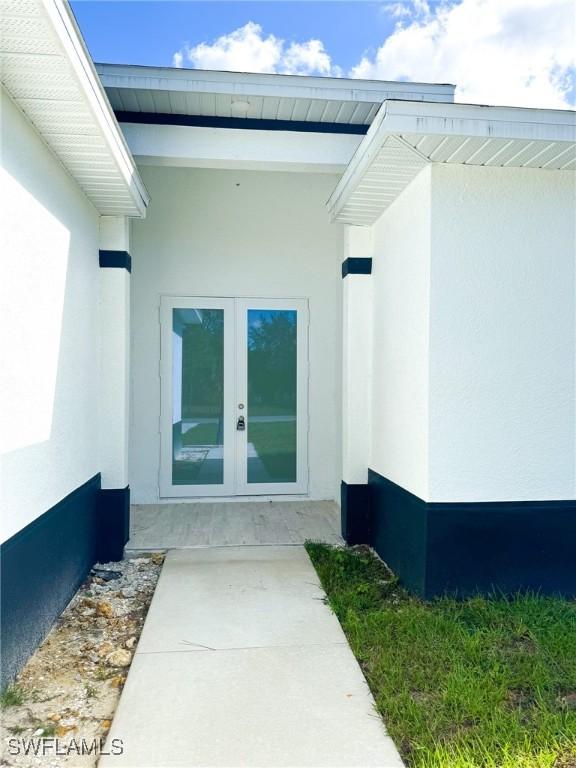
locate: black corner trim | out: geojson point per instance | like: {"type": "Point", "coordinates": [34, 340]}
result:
{"type": "Point", "coordinates": [355, 512]}
{"type": "Point", "coordinates": [247, 123]}
{"type": "Point", "coordinates": [113, 523]}
{"type": "Point", "coordinates": [356, 267]}
{"type": "Point", "coordinates": [118, 259]}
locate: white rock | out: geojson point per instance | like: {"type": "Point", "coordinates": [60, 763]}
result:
{"type": "Point", "coordinates": [119, 658]}
{"type": "Point", "coordinates": [68, 721]}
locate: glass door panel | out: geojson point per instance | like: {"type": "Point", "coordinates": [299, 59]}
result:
{"type": "Point", "coordinates": [272, 395]}
{"type": "Point", "coordinates": [197, 396]}
{"type": "Point", "coordinates": [197, 366]}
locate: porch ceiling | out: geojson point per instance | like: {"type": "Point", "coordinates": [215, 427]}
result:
{"type": "Point", "coordinates": [406, 136]}
{"type": "Point", "coordinates": [207, 94]}
{"type": "Point", "coordinates": [47, 71]}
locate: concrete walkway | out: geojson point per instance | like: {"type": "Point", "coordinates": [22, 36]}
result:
{"type": "Point", "coordinates": [241, 663]}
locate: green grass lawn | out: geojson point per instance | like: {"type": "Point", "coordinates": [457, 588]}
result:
{"type": "Point", "coordinates": [275, 444]}
{"type": "Point", "coordinates": [201, 434]}
{"type": "Point", "coordinates": [478, 683]}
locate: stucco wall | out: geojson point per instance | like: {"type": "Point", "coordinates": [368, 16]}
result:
{"type": "Point", "coordinates": [48, 327]}
{"type": "Point", "coordinates": [502, 334]}
{"type": "Point", "coordinates": [474, 336]}
{"type": "Point", "coordinates": [236, 233]}
{"type": "Point", "coordinates": [400, 277]}
{"type": "Point", "coordinates": [356, 359]}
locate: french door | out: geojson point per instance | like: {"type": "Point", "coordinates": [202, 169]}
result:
{"type": "Point", "coordinates": [234, 415]}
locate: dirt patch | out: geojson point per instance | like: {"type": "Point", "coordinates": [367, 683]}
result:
{"type": "Point", "coordinates": [520, 698]}
{"type": "Point", "coordinates": [567, 760]}
{"type": "Point", "coordinates": [423, 697]}
{"type": "Point", "coordinates": [63, 701]}
{"type": "Point", "coordinates": [568, 700]}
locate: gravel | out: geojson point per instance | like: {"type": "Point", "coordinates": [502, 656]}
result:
{"type": "Point", "coordinates": [71, 685]}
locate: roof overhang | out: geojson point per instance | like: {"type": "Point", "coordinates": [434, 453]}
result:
{"type": "Point", "coordinates": [224, 96]}
{"type": "Point", "coordinates": [46, 69]}
{"type": "Point", "coordinates": [406, 136]}
{"type": "Point", "coordinates": [239, 149]}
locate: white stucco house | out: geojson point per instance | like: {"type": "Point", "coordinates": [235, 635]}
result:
{"type": "Point", "coordinates": [225, 285]}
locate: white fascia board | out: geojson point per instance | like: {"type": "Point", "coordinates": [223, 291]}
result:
{"type": "Point", "coordinates": [192, 146]}
{"type": "Point", "coordinates": [251, 84]}
{"type": "Point", "coordinates": [70, 38]}
{"type": "Point", "coordinates": [398, 118]}
{"type": "Point", "coordinates": [473, 120]}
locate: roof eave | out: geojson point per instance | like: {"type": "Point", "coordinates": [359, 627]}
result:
{"type": "Point", "coordinates": [47, 71]}
{"type": "Point", "coordinates": [397, 119]}
{"type": "Point", "coordinates": [258, 84]}
{"type": "Point", "coordinates": [71, 38]}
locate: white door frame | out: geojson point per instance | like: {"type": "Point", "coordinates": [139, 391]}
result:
{"type": "Point", "coordinates": [235, 391]}
{"type": "Point", "coordinates": [167, 488]}
{"type": "Point", "coordinates": [243, 488]}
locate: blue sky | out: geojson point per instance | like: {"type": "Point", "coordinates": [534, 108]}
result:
{"type": "Point", "coordinates": [150, 32]}
{"type": "Point", "coordinates": [511, 52]}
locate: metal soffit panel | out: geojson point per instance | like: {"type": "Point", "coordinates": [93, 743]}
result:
{"type": "Point", "coordinates": [393, 168]}
{"type": "Point", "coordinates": [170, 91]}
{"type": "Point", "coordinates": [46, 71]}
{"type": "Point", "coordinates": [389, 157]}
{"type": "Point", "coordinates": [517, 153]}
{"type": "Point", "coordinates": [260, 107]}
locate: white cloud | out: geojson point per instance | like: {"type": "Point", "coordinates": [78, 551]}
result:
{"type": "Point", "coordinates": [398, 10]}
{"type": "Point", "coordinates": [307, 57]}
{"type": "Point", "coordinates": [515, 52]}
{"type": "Point", "coordinates": [246, 49]}
{"type": "Point", "coordinates": [406, 8]}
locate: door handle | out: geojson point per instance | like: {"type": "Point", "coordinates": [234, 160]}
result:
{"type": "Point", "coordinates": [240, 424]}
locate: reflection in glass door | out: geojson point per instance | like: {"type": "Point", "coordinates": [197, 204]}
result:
{"type": "Point", "coordinates": [271, 395]}
{"type": "Point", "coordinates": [271, 352]}
{"type": "Point", "coordinates": [198, 396]}
{"type": "Point", "coordinates": [234, 397]}
{"type": "Point", "coordinates": [197, 369]}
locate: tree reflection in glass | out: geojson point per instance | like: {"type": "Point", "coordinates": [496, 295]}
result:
{"type": "Point", "coordinates": [198, 396]}
{"type": "Point", "coordinates": [272, 392]}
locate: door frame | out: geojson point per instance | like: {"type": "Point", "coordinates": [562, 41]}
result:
{"type": "Point", "coordinates": [235, 391]}
{"type": "Point", "coordinates": [300, 486]}
{"type": "Point", "coordinates": [167, 488]}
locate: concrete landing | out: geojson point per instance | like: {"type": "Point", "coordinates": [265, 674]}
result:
{"type": "Point", "coordinates": [241, 663]}
{"type": "Point", "coordinates": [238, 523]}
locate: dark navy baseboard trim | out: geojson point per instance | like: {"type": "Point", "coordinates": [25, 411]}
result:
{"type": "Point", "coordinates": [42, 565]}
{"type": "Point", "coordinates": [246, 123]}
{"type": "Point", "coordinates": [470, 547]}
{"type": "Point", "coordinates": [113, 523]}
{"type": "Point", "coordinates": [118, 259]}
{"type": "Point", "coordinates": [355, 513]}
{"type": "Point", "coordinates": [358, 266]}
{"type": "Point", "coordinates": [41, 568]}
{"type": "Point", "coordinates": [399, 528]}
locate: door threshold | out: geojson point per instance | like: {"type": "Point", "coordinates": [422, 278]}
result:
{"type": "Point", "coordinates": [213, 546]}
{"type": "Point", "coordinates": [232, 499]}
